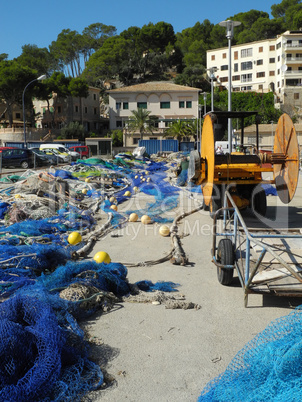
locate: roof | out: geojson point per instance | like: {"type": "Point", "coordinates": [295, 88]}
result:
{"type": "Point", "coordinates": [159, 86]}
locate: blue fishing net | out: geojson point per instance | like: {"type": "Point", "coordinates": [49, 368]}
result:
{"type": "Point", "coordinates": [54, 364]}
{"type": "Point", "coordinates": [268, 368]}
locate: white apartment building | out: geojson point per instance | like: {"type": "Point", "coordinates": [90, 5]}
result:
{"type": "Point", "coordinates": [164, 100]}
{"type": "Point", "coordinates": [262, 66]}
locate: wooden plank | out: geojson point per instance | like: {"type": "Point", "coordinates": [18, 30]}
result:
{"type": "Point", "coordinates": [274, 274]}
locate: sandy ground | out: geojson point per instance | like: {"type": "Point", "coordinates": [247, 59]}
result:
{"type": "Point", "coordinates": [154, 353]}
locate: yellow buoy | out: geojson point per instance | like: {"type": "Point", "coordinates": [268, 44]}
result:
{"type": "Point", "coordinates": [17, 196]}
{"type": "Point", "coordinates": [84, 191]}
{"type": "Point", "coordinates": [148, 180]}
{"type": "Point", "coordinates": [135, 189]}
{"type": "Point", "coordinates": [102, 256]}
{"type": "Point", "coordinates": [136, 177]}
{"type": "Point", "coordinates": [112, 200]}
{"type": "Point", "coordinates": [145, 219]}
{"type": "Point", "coordinates": [87, 180]}
{"type": "Point", "coordinates": [114, 207]}
{"type": "Point", "coordinates": [133, 217]}
{"type": "Point", "coordinates": [164, 230]}
{"type": "Point", "coordinates": [127, 194]}
{"type": "Point", "coordinates": [74, 238]}
{"type": "Point", "coordinates": [146, 172]}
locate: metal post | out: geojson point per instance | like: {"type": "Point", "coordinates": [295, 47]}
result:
{"type": "Point", "coordinates": [230, 97]}
{"type": "Point", "coordinates": [23, 104]}
{"type": "Point", "coordinates": [229, 25]}
{"type": "Point", "coordinates": [272, 136]}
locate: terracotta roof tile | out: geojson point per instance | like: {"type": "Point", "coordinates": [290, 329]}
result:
{"type": "Point", "coordinates": [160, 86]}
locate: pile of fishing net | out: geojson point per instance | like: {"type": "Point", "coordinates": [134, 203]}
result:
{"type": "Point", "coordinates": [268, 368]}
{"type": "Point", "coordinates": [43, 353]}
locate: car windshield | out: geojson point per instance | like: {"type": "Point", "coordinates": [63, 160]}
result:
{"type": "Point", "coordinates": [61, 150]}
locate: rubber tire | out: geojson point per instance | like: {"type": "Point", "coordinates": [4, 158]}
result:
{"type": "Point", "coordinates": [24, 165]}
{"type": "Point", "coordinates": [216, 203]}
{"type": "Point", "coordinates": [225, 255]}
{"type": "Point", "coordinates": [258, 202]}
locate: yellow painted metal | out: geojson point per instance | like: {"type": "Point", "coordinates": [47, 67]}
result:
{"type": "Point", "coordinates": [286, 174]}
{"type": "Point", "coordinates": [283, 162]}
{"type": "Point", "coordinates": [208, 155]}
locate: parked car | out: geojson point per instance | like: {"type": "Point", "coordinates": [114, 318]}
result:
{"type": "Point", "coordinates": [61, 157]}
{"type": "Point", "coordinates": [17, 157]}
{"type": "Point", "coordinates": [83, 150]}
{"type": "Point", "coordinates": [42, 159]}
{"type": "Point", "coordinates": [62, 150]}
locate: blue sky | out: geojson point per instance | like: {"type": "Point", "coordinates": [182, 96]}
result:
{"type": "Point", "coordinates": [39, 22]}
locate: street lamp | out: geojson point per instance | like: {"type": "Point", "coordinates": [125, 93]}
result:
{"type": "Point", "coordinates": [23, 104]}
{"type": "Point", "coordinates": [212, 70]}
{"type": "Point", "coordinates": [229, 25]}
{"type": "Point", "coordinates": [272, 122]}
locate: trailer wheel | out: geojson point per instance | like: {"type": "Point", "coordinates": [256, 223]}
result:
{"type": "Point", "coordinates": [216, 201]}
{"type": "Point", "coordinates": [259, 201]}
{"type": "Point", "coordinates": [225, 256]}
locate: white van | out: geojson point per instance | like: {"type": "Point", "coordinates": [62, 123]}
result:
{"type": "Point", "coordinates": [62, 150]}
{"type": "Point", "coordinates": [224, 147]}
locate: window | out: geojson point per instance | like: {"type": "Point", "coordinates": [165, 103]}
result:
{"type": "Point", "coordinates": [272, 60]}
{"type": "Point", "coordinates": [165, 105]}
{"type": "Point", "coordinates": [18, 115]}
{"type": "Point", "coordinates": [236, 78]}
{"type": "Point", "coordinates": [85, 109]}
{"type": "Point", "coordinates": [236, 55]}
{"type": "Point", "coordinates": [224, 79]}
{"type": "Point", "coordinates": [225, 67]}
{"type": "Point", "coordinates": [278, 58]}
{"type": "Point", "coordinates": [59, 109]}
{"type": "Point", "coordinates": [94, 96]}
{"type": "Point", "coordinates": [261, 49]}
{"type": "Point", "coordinates": [299, 55]}
{"type": "Point", "coordinates": [235, 67]}
{"type": "Point", "coordinates": [95, 110]}
{"type": "Point", "coordinates": [271, 73]}
{"type": "Point", "coordinates": [296, 95]}
{"type": "Point", "coordinates": [125, 105]}
{"type": "Point", "coordinates": [246, 77]}
{"type": "Point", "coordinates": [260, 86]}
{"type": "Point", "coordinates": [278, 71]}
{"type": "Point", "coordinates": [213, 57]}
{"type": "Point", "coordinates": [76, 109]}
{"type": "Point", "coordinates": [247, 52]}
{"type": "Point", "coordinates": [181, 104]}
{"type": "Point", "coordinates": [261, 74]}
{"type": "Point", "coordinates": [259, 62]}
{"type": "Point", "coordinates": [118, 105]}
{"type": "Point", "coordinates": [289, 56]}
{"type": "Point", "coordinates": [119, 123]}
{"type": "Point", "coordinates": [224, 55]}
{"type": "Point", "coordinates": [142, 105]}
{"type": "Point", "coordinates": [272, 47]}
{"type": "Point", "coordinates": [189, 104]}
{"type": "Point", "coordinates": [135, 141]}
{"type": "Point", "coordinates": [247, 65]}
{"type": "Point", "coordinates": [278, 45]}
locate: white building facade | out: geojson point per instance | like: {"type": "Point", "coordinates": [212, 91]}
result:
{"type": "Point", "coordinates": [164, 100]}
{"type": "Point", "coordinates": [268, 65]}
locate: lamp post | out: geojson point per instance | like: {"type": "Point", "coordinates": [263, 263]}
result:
{"type": "Point", "coordinates": [23, 104]}
{"type": "Point", "coordinates": [229, 25]}
{"type": "Point", "coordinates": [272, 135]}
{"type": "Point", "coordinates": [212, 70]}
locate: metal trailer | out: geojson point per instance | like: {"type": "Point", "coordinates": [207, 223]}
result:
{"type": "Point", "coordinates": [262, 267]}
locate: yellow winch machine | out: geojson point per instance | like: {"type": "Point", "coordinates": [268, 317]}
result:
{"type": "Point", "coordinates": [241, 172]}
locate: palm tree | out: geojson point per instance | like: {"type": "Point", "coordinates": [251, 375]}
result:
{"type": "Point", "coordinates": [178, 129]}
{"type": "Point", "coordinates": [141, 121]}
